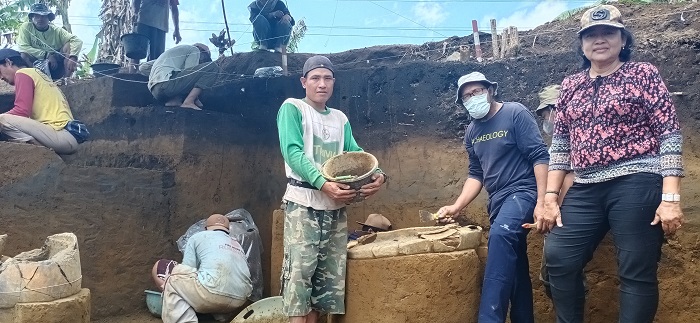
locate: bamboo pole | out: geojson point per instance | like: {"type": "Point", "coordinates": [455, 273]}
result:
{"type": "Point", "coordinates": [477, 43]}
{"type": "Point", "coordinates": [285, 70]}
{"type": "Point", "coordinates": [494, 39]}
{"type": "Point", "coordinates": [228, 32]}
{"type": "Point", "coordinates": [504, 42]}
{"type": "Point", "coordinates": [514, 41]}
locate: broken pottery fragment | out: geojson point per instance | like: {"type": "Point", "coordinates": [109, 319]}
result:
{"type": "Point", "coordinates": [42, 275]}
{"type": "Point", "coordinates": [414, 247]}
{"type": "Point", "coordinates": [417, 240]}
{"type": "Point", "coordinates": [382, 250]}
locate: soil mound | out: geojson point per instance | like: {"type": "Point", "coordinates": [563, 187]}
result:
{"type": "Point", "coordinates": [655, 26]}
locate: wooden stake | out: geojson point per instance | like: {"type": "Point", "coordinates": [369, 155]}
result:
{"type": "Point", "coordinates": [477, 44]}
{"type": "Point", "coordinates": [284, 60]}
{"type": "Point", "coordinates": [494, 39]}
{"type": "Point", "coordinates": [504, 42]}
{"type": "Point", "coordinates": [514, 41]}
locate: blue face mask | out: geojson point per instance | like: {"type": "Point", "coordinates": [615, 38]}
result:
{"type": "Point", "coordinates": [478, 106]}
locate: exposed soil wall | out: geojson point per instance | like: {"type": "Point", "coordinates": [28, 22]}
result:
{"type": "Point", "coordinates": [436, 287]}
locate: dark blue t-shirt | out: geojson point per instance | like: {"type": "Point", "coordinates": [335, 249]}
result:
{"type": "Point", "coordinates": [503, 151]}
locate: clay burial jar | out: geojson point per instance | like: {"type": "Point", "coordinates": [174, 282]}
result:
{"type": "Point", "coordinates": [42, 275]}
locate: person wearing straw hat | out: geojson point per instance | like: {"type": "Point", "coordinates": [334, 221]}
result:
{"type": "Point", "coordinates": [508, 157]}
{"type": "Point", "coordinates": [617, 129]}
{"type": "Point", "coordinates": [315, 221]}
{"type": "Point", "coordinates": [51, 48]}
{"type": "Point", "coordinates": [212, 278]}
{"type": "Point", "coordinates": [41, 115]}
{"type": "Point", "coordinates": [272, 24]}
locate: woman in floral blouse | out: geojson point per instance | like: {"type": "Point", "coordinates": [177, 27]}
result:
{"type": "Point", "coordinates": [617, 128]}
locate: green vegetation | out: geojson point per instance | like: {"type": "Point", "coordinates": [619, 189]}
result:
{"type": "Point", "coordinates": [298, 33]}
{"type": "Point", "coordinates": [14, 12]}
{"type": "Point", "coordinates": [85, 63]}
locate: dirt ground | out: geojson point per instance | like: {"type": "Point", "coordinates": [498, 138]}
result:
{"type": "Point", "coordinates": [142, 317]}
{"type": "Point", "coordinates": [131, 318]}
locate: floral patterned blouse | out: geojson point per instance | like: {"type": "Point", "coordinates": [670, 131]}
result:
{"type": "Point", "coordinates": [616, 125]}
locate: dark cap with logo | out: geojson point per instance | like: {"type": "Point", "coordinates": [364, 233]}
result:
{"type": "Point", "coordinates": [315, 62]}
{"type": "Point", "coordinates": [605, 15]}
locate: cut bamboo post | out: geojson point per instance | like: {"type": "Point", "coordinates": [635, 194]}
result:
{"type": "Point", "coordinates": [514, 41]}
{"type": "Point", "coordinates": [504, 42]}
{"type": "Point", "coordinates": [494, 39]}
{"type": "Point", "coordinates": [284, 60]}
{"type": "Point", "coordinates": [477, 43]}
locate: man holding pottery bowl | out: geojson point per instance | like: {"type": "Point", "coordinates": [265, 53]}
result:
{"type": "Point", "coordinates": [315, 225]}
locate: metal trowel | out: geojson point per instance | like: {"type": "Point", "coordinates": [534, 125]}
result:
{"type": "Point", "coordinates": [426, 216]}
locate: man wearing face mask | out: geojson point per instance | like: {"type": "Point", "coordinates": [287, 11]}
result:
{"type": "Point", "coordinates": [547, 111]}
{"type": "Point", "coordinates": [507, 156]}
{"type": "Point", "coordinates": [548, 100]}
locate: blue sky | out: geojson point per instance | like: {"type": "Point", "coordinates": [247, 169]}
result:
{"type": "Point", "coordinates": [339, 25]}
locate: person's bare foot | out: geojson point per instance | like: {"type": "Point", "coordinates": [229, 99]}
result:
{"type": "Point", "coordinates": [174, 102]}
{"type": "Point", "coordinates": [190, 106]}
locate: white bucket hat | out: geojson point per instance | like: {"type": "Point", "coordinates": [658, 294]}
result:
{"type": "Point", "coordinates": [473, 77]}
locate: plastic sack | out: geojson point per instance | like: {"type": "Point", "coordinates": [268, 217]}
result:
{"type": "Point", "coordinates": [272, 71]}
{"type": "Point", "coordinates": [243, 229]}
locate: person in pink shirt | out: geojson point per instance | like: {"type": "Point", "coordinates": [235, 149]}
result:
{"type": "Point", "coordinates": [40, 114]}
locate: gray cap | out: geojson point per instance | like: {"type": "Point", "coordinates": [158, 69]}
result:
{"type": "Point", "coordinates": [315, 62]}
{"type": "Point", "coordinates": [473, 77]}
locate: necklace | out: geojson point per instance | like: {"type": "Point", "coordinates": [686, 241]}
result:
{"type": "Point", "coordinates": [606, 72]}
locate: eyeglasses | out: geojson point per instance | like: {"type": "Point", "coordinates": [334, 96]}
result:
{"type": "Point", "coordinates": [473, 93]}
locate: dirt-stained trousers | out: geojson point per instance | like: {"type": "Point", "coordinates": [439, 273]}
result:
{"type": "Point", "coordinates": [625, 206]}
{"type": "Point", "coordinates": [507, 273]}
{"type": "Point", "coordinates": [22, 129]}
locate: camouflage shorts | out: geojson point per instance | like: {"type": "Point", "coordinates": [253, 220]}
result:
{"type": "Point", "coordinates": [313, 269]}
